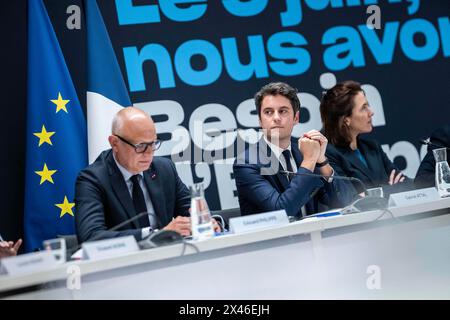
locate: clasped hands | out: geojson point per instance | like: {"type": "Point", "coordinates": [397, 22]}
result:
{"type": "Point", "coordinates": [312, 145]}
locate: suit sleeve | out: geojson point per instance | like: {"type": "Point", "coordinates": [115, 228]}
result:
{"type": "Point", "coordinates": [387, 163]}
{"type": "Point", "coordinates": [89, 215]}
{"type": "Point", "coordinates": [335, 162]}
{"type": "Point", "coordinates": [425, 176]}
{"type": "Point", "coordinates": [257, 190]}
{"type": "Point", "coordinates": [338, 193]}
{"type": "Point", "coordinates": [407, 183]}
{"type": "Point", "coordinates": [345, 191]}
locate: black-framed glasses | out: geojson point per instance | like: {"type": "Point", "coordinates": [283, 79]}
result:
{"type": "Point", "coordinates": [142, 147]}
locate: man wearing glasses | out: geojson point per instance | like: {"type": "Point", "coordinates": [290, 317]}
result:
{"type": "Point", "coordinates": [127, 180]}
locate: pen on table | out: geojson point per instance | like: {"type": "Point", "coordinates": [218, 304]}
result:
{"type": "Point", "coordinates": [329, 214]}
{"type": "Point", "coordinates": [323, 215]}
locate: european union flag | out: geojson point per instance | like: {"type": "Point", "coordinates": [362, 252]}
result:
{"type": "Point", "coordinates": [56, 135]}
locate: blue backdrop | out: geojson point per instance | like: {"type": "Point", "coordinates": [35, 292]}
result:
{"type": "Point", "coordinates": [202, 61]}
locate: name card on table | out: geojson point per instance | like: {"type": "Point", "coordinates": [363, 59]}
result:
{"type": "Point", "coordinates": [109, 248]}
{"type": "Point", "coordinates": [258, 221]}
{"type": "Point", "coordinates": [28, 263]}
{"type": "Point", "coordinates": [412, 197]}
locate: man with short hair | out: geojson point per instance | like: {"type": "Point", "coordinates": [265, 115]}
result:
{"type": "Point", "coordinates": [261, 183]}
{"type": "Point", "coordinates": [127, 180]}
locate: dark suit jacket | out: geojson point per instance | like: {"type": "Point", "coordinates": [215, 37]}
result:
{"type": "Point", "coordinates": [346, 163]}
{"type": "Point", "coordinates": [261, 187]}
{"type": "Point", "coordinates": [425, 176]}
{"type": "Point", "coordinates": [102, 199]}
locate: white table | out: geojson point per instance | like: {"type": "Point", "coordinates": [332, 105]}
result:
{"type": "Point", "coordinates": [368, 255]}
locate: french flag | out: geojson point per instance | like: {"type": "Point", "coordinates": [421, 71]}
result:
{"type": "Point", "coordinates": [106, 90]}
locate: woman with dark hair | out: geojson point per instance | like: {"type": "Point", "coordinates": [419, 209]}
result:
{"type": "Point", "coordinates": [345, 115]}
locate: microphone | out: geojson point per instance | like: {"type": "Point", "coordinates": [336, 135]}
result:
{"type": "Point", "coordinates": [359, 205]}
{"type": "Point", "coordinates": [120, 225]}
{"type": "Point", "coordinates": [427, 142]}
{"type": "Point", "coordinates": [160, 238]}
{"type": "Point", "coordinates": [326, 177]}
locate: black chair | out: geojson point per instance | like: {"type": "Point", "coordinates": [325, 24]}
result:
{"type": "Point", "coordinates": [227, 214]}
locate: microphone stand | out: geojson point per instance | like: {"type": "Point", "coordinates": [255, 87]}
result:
{"type": "Point", "coordinates": [352, 179]}
{"type": "Point", "coordinates": [429, 143]}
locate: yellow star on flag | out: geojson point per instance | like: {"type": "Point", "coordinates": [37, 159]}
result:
{"type": "Point", "coordinates": [44, 136]}
{"type": "Point", "coordinates": [66, 207]}
{"type": "Point", "coordinates": [60, 103]}
{"type": "Point", "coordinates": [46, 175]}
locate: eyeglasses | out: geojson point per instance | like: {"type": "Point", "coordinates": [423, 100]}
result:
{"type": "Point", "coordinates": [142, 147]}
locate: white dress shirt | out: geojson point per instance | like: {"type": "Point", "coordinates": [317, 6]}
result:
{"type": "Point", "coordinates": [277, 151]}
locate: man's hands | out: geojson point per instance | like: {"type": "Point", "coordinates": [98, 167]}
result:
{"type": "Point", "coordinates": [312, 145]}
{"type": "Point", "coordinates": [9, 248]}
{"type": "Point", "coordinates": [317, 136]}
{"type": "Point", "coordinates": [182, 225]}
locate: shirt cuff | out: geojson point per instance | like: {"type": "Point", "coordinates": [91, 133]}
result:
{"type": "Point", "coordinates": [145, 232]}
{"type": "Point", "coordinates": [330, 178]}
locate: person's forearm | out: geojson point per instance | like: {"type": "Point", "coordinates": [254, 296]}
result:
{"type": "Point", "coordinates": [308, 164]}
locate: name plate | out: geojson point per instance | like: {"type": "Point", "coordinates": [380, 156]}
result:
{"type": "Point", "coordinates": [258, 221]}
{"type": "Point", "coordinates": [28, 263]}
{"type": "Point", "coordinates": [413, 197]}
{"type": "Point", "coordinates": [109, 248]}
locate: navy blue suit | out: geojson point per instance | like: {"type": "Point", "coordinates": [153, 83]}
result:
{"type": "Point", "coordinates": [346, 163]}
{"type": "Point", "coordinates": [102, 199]}
{"type": "Point", "coordinates": [262, 187]}
{"type": "Point", "coordinates": [425, 176]}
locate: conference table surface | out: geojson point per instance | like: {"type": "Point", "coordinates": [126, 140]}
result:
{"type": "Point", "coordinates": [401, 253]}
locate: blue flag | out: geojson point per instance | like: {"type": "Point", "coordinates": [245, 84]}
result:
{"type": "Point", "coordinates": [56, 135]}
